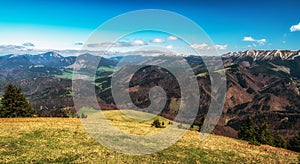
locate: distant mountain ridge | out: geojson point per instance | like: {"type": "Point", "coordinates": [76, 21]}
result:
{"type": "Point", "coordinates": [59, 60]}
{"type": "Point", "coordinates": [51, 59]}
{"type": "Point", "coordinates": [265, 54]}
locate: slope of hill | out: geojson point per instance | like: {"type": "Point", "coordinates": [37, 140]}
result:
{"type": "Point", "coordinates": [264, 84]}
{"type": "Point", "coordinates": [63, 140]}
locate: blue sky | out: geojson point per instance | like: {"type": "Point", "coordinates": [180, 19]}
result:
{"type": "Point", "coordinates": [233, 26]}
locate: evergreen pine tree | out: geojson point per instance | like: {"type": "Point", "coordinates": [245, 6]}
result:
{"type": "Point", "coordinates": [294, 143]}
{"type": "Point", "coordinates": [264, 135]}
{"type": "Point", "coordinates": [14, 103]}
{"type": "Point", "coordinates": [279, 141]}
{"type": "Point", "coordinates": [248, 131]}
{"type": "Point", "coordinates": [260, 134]}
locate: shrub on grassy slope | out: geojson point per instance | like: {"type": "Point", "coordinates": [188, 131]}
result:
{"type": "Point", "coordinates": [156, 123]}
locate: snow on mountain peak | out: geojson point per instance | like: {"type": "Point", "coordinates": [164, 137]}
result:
{"type": "Point", "coordinates": [266, 54]}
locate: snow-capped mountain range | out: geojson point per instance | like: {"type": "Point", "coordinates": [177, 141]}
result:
{"type": "Point", "coordinates": [266, 54]}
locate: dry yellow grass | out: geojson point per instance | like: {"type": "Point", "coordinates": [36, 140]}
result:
{"type": "Point", "coordinates": [64, 140]}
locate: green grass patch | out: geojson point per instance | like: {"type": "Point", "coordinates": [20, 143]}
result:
{"type": "Point", "coordinates": [106, 69]}
{"type": "Point", "coordinates": [64, 140]}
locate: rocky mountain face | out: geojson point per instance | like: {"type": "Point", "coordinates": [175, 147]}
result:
{"type": "Point", "coordinates": [262, 84]}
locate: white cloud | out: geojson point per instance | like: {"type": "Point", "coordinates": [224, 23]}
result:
{"type": "Point", "coordinates": [11, 47]}
{"type": "Point", "coordinates": [261, 41]}
{"type": "Point", "coordinates": [15, 49]}
{"type": "Point", "coordinates": [118, 44]}
{"type": "Point", "coordinates": [172, 38]}
{"type": "Point", "coordinates": [201, 46]}
{"type": "Point", "coordinates": [221, 47]}
{"type": "Point", "coordinates": [204, 46]}
{"type": "Point", "coordinates": [157, 40]}
{"type": "Point", "coordinates": [20, 49]}
{"type": "Point", "coordinates": [28, 44]}
{"type": "Point", "coordinates": [250, 39]}
{"type": "Point", "coordinates": [169, 47]}
{"type": "Point", "coordinates": [295, 27]}
{"type": "Point", "coordinates": [108, 44]}
{"type": "Point", "coordinates": [138, 43]}
{"type": "Point", "coordinates": [78, 44]}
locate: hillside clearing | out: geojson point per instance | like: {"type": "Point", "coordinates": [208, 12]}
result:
{"type": "Point", "coordinates": [64, 140]}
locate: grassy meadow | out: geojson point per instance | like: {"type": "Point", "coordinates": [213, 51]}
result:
{"type": "Point", "coordinates": [64, 140]}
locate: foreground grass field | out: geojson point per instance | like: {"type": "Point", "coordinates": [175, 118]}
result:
{"type": "Point", "coordinates": [64, 140]}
